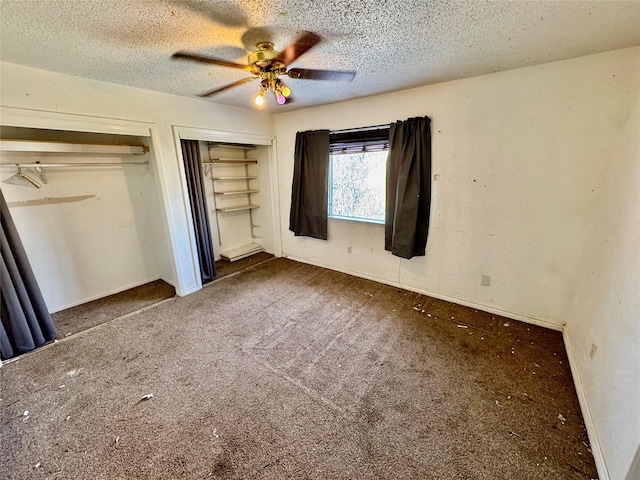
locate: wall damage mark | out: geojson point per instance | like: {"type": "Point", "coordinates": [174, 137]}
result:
{"type": "Point", "coordinates": [49, 201]}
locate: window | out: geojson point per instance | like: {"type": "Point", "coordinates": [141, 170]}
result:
{"type": "Point", "coordinates": [357, 185]}
{"type": "Point", "coordinates": [357, 174]}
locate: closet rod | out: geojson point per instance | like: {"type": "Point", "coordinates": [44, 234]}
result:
{"type": "Point", "coordinates": [63, 165]}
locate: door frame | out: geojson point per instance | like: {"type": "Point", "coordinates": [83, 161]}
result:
{"type": "Point", "coordinates": [206, 135]}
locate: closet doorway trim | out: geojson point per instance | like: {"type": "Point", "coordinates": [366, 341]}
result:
{"type": "Point", "coordinates": [205, 135]}
{"type": "Point", "coordinates": [179, 272]}
{"type": "Point", "coordinates": [18, 117]}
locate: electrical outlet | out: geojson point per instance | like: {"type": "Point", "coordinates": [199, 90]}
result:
{"type": "Point", "coordinates": [348, 248]}
{"type": "Point", "coordinates": [485, 280]}
{"type": "Point", "coordinates": [592, 352]}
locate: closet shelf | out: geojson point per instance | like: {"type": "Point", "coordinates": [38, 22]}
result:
{"type": "Point", "coordinates": [62, 147]}
{"type": "Point", "coordinates": [236, 192]}
{"type": "Point", "coordinates": [234, 146]}
{"type": "Point", "coordinates": [74, 164]}
{"type": "Point", "coordinates": [241, 252]}
{"type": "Point", "coordinates": [237, 208]}
{"type": "Point", "coordinates": [235, 177]}
{"type": "Point", "coordinates": [231, 161]}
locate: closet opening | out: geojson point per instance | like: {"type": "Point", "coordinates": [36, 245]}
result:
{"type": "Point", "coordinates": [88, 211]}
{"type": "Point", "coordinates": [236, 182]}
{"type": "Point", "coordinates": [239, 189]}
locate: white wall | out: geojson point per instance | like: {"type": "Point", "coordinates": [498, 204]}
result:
{"type": "Point", "coordinates": [605, 309]}
{"type": "Point", "coordinates": [33, 89]}
{"type": "Point", "coordinates": [518, 154]}
{"type": "Point", "coordinates": [522, 158]}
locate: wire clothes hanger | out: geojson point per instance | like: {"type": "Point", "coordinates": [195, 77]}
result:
{"type": "Point", "coordinates": [21, 179]}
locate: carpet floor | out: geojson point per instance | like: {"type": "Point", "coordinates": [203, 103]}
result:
{"type": "Point", "coordinates": [225, 267]}
{"type": "Point", "coordinates": [88, 315]}
{"type": "Point", "coordinates": [286, 370]}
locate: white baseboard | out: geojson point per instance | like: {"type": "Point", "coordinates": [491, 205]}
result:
{"type": "Point", "coordinates": [104, 294]}
{"type": "Point", "coordinates": [441, 296]}
{"type": "Point", "coordinates": [596, 449]}
{"type": "Point", "coordinates": [487, 308]}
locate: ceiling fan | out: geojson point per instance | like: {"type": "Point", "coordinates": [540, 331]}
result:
{"type": "Point", "coordinates": [267, 64]}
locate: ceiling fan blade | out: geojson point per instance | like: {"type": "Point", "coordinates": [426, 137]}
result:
{"type": "Point", "coordinates": [226, 87]}
{"type": "Point", "coordinates": [211, 60]}
{"type": "Point", "coordinates": [304, 42]}
{"type": "Point", "coordinates": [335, 75]}
{"type": "Point", "coordinates": [224, 13]}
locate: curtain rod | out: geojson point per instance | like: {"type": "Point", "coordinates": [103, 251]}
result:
{"type": "Point", "coordinates": [62, 165]}
{"type": "Point", "coordinates": [361, 129]}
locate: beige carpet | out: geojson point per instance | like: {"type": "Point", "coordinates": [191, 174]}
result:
{"type": "Point", "coordinates": [225, 267]}
{"type": "Point", "coordinates": [88, 315]}
{"type": "Point", "coordinates": [291, 371]}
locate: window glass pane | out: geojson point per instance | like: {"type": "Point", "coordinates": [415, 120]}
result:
{"type": "Point", "coordinates": [357, 185]}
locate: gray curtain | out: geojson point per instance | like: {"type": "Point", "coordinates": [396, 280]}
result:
{"type": "Point", "coordinates": [26, 323]}
{"type": "Point", "coordinates": [309, 193]}
{"type": "Point", "coordinates": [408, 187]}
{"type": "Point", "coordinates": [199, 212]}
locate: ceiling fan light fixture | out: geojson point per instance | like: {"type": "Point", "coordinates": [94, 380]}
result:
{"type": "Point", "coordinates": [282, 88]}
{"type": "Point", "coordinates": [259, 100]}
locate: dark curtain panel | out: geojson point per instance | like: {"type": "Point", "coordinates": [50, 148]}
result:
{"type": "Point", "coordinates": [26, 323]}
{"type": "Point", "coordinates": [408, 187]}
{"type": "Point", "coordinates": [199, 213]}
{"type": "Point", "coordinates": [309, 193]}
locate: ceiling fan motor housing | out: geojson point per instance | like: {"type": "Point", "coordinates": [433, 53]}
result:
{"type": "Point", "coordinates": [264, 57]}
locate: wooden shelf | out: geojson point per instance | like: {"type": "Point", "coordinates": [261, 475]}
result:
{"type": "Point", "coordinates": [62, 147]}
{"type": "Point", "coordinates": [237, 208]}
{"type": "Point", "coordinates": [231, 161]}
{"type": "Point", "coordinates": [233, 178]}
{"type": "Point", "coordinates": [241, 252]}
{"type": "Point", "coordinates": [236, 192]}
{"type": "Point", "coordinates": [234, 146]}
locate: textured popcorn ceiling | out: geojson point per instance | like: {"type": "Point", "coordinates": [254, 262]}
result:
{"type": "Point", "coordinates": [392, 45]}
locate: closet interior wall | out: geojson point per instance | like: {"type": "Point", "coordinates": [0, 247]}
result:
{"type": "Point", "coordinates": [89, 231]}
{"type": "Point", "coordinates": [236, 229]}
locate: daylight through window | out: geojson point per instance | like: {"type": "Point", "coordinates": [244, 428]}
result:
{"type": "Point", "coordinates": [357, 173]}
{"type": "Point", "coordinates": [357, 186]}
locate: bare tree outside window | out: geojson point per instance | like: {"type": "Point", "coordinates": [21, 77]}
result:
{"type": "Point", "coordinates": [357, 185]}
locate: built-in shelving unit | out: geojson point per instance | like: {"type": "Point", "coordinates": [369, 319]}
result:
{"type": "Point", "coordinates": [232, 180]}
